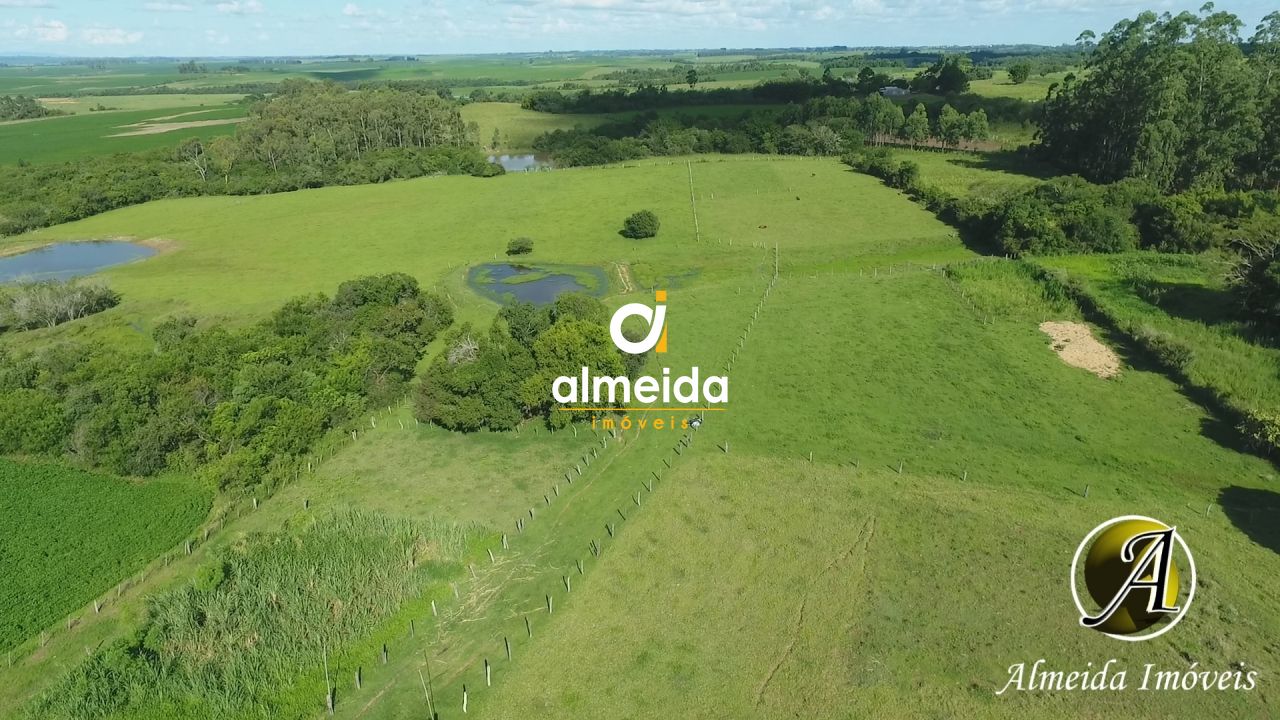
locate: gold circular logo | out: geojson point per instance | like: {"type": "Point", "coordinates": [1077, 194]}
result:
{"type": "Point", "coordinates": [1132, 571]}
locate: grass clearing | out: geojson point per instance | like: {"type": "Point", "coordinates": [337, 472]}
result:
{"type": "Point", "coordinates": [518, 127]}
{"type": "Point", "coordinates": [973, 174]}
{"type": "Point", "coordinates": [1033, 90]}
{"type": "Point", "coordinates": [70, 535]}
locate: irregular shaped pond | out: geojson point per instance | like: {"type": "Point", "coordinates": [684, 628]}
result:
{"type": "Point", "coordinates": [62, 261]}
{"type": "Point", "coordinates": [538, 284]}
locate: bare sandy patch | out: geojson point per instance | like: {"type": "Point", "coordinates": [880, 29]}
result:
{"type": "Point", "coordinates": [158, 128]}
{"type": "Point", "coordinates": [1075, 344]}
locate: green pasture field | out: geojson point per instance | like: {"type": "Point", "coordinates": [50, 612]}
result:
{"type": "Point", "coordinates": [519, 127]}
{"type": "Point", "coordinates": [62, 138]}
{"type": "Point", "coordinates": [920, 550]}
{"type": "Point", "coordinates": [926, 545]}
{"type": "Point", "coordinates": [1033, 90]}
{"type": "Point", "coordinates": [69, 535]}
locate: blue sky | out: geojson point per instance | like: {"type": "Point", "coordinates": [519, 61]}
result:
{"type": "Point", "coordinates": [286, 27]}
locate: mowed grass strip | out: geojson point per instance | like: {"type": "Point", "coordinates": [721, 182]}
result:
{"type": "Point", "coordinates": [69, 535]}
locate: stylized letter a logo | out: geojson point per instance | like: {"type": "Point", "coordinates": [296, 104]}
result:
{"type": "Point", "coordinates": [655, 316]}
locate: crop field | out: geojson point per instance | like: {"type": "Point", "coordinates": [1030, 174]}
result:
{"type": "Point", "coordinates": [491, 71]}
{"type": "Point", "coordinates": [61, 138]}
{"type": "Point", "coordinates": [70, 535]}
{"type": "Point", "coordinates": [890, 427]}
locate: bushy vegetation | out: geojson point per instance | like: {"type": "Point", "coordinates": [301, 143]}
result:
{"type": "Point", "coordinates": [520, 246]}
{"type": "Point", "coordinates": [23, 107]}
{"type": "Point", "coordinates": [46, 303]}
{"type": "Point", "coordinates": [249, 634]}
{"type": "Point", "coordinates": [238, 407]}
{"type": "Point", "coordinates": [1072, 215]}
{"type": "Point", "coordinates": [639, 225]}
{"type": "Point", "coordinates": [1256, 279]}
{"type": "Point", "coordinates": [494, 380]}
{"type": "Point", "coordinates": [308, 135]}
{"type": "Point", "coordinates": [91, 532]}
{"type": "Point", "coordinates": [1197, 111]}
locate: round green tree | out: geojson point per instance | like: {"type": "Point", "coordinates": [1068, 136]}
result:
{"type": "Point", "coordinates": [643, 224]}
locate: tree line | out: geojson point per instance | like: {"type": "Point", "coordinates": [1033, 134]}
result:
{"type": "Point", "coordinates": [822, 126]}
{"type": "Point", "coordinates": [236, 407]}
{"type": "Point", "coordinates": [309, 135]}
{"type": "Point", "coordinates": [1180, 101]}
{"type": "Point", "coordinates": [24, 107]}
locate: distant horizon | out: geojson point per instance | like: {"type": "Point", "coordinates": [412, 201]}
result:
{"type": "Point", "coordinates": [300, 28]}
{"type": "Point", "coordinates": [395, 54]}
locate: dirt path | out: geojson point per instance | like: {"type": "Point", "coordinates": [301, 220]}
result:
{"type": "Point", "coordinates": [624, 274]}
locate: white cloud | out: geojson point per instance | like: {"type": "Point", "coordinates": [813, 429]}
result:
{"type": "Point", "coordinates": [25, 4]}
{"type": "Point", "coordinates": [216, 38]}
{"type": "Point", "coordinates": [352, 10]}
{"type": "Point", "coordinates": [110, 36]}
{"type": "Point", "coordinates": [42, 31]}
{"type": "Point", "coordinates": [165, 6]}
{"type": "Point", "coordinates": [240, 7]}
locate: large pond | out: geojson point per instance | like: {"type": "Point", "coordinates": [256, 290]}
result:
{"type": "Point", "coordinates": [63, 261]}
{"type": "Point", "coordinates": [538, 284]}
{"type": "Point", "coordinates": [522, 163]}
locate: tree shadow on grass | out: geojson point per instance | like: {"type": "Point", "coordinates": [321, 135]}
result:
{"type": "Point", "coordinates": [1254, 512]}
{"type": "Point", "coordinates": [1214, 307]}
{"type": "Point", "coordinates": [1007, 161]}
{"type": "Point", "coordinates": [1221, 423]}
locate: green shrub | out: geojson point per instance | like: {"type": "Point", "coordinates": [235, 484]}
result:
{"type": "Point", "coordinates": [643, 224]}
{"type": "Point", "coordinates": [1171, 353]}
{"type": "Point", "coordinates": [1173, 224]}
{"type": "Point", "coordinates": [31, 422]}
{"type": "Point", "coordinates": [1262, 431]}
{"type": "Point", "coordinates": [520, 246]}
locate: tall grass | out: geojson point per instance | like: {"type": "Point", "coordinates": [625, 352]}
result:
{"type": "Point", "coordinates": [247, 636]}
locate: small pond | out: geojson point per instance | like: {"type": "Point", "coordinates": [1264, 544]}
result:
{"type": "Point", "coordinates": [63, 261]}
{"type": "Point", "coordinates": [522, 163]}
{"type": "Point", "coordinates": [538, 284]}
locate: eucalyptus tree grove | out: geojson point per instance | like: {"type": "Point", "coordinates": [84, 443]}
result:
{"type": "Point", "coordinates": [1178, 100]}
